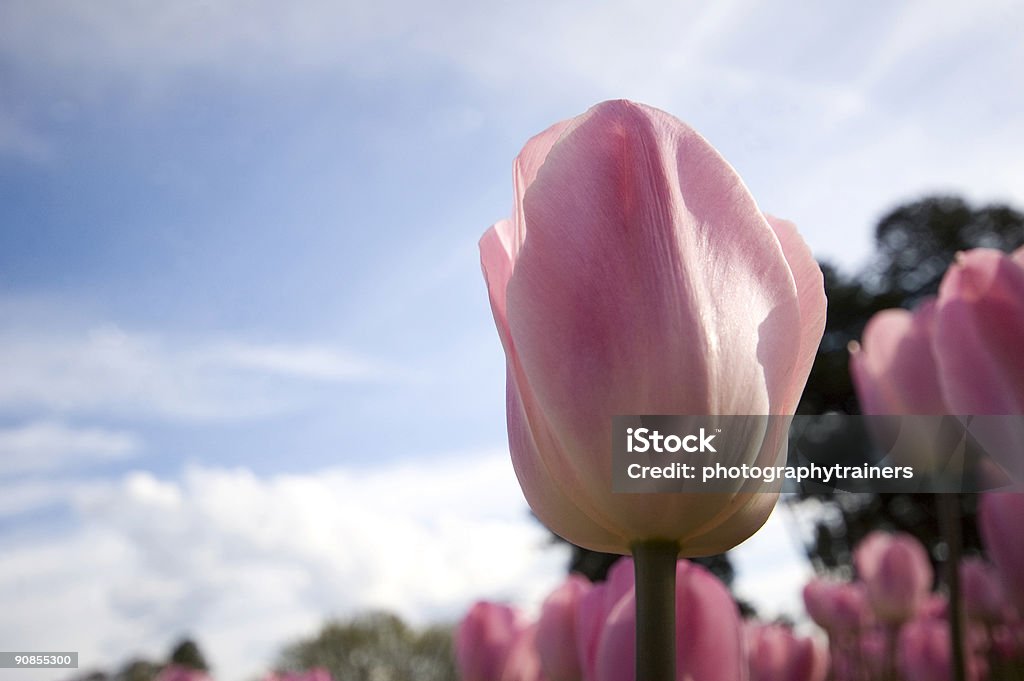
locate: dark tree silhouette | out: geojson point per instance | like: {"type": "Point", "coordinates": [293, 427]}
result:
{"type": "Point", "coordinates": [187, 654]}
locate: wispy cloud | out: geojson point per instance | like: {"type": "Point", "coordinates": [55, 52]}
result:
{"type": "Point", "coordinates": [111, 371]}
{"type": "Point", "coordinates": [247, 563]}
{"type": "Point", "coordinates": [43, 446]}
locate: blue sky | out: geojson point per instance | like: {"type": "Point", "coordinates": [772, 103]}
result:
{"type": "Point", "coordinates": [239, 285]}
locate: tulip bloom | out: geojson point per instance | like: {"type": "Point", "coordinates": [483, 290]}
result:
{"type": "Point", "coordinates": [999, 520]}
{"type": "Point", "coordinates": [840, 608]}
{"type": "Point", "coordinates": [556, 631]}
{"type": "Point", "coordinates": [638, 276]}
{"type": "Point", "coordinates": [484, 640]}
{"type": "Point", "coordinates": [594, 609]}
{"type": "Point", "coordinates": [709, 640]}
{"type": "Point", "coordinates": [774, 653]}
{"type": "Point", "coordinates": [522, 662]}
{"type": "Point", "coordinates": [982, 590]}
{"type": "Point", "coordinates": [956, 354]}
{"type": "Point", "coordinates": [925, 653]}
{"type": "Point", "coordinates": [897, 573]}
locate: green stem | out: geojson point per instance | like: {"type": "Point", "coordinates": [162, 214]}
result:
{"type": "Point", "coordinates": [655, 563]}
{"type": "Point", "coordinates": [949, 515]}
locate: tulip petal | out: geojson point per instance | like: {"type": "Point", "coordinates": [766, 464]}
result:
{"type": "Point", "coordinates": [496, 262]}
{"type": "Point", "coordinates": [894, 369]}
{"type": "Point", "coordinates": [550, 496]}
{"type": "Point", "coordinates": [524, 172]}
{"type": "Point", "coordinates": [556, 630]}
{"type": "Point", "coordinates": [709, 642]}
{"type": "Point", "coordinates": [999, 519]}
{"type": "Point", "coordinates": [745, 515]}
{"type": "Point", "coordinates": [810, 289]}
{"type": "Point", "coordinates": [980, 334]}
{"type": "Point", "coordinates": [616, 651]}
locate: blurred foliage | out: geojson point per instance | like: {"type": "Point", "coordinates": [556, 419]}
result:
{"type": "Point", "coordinates": [187, 654]}
{"type": "Point", "coordinates": [914, 245]}
{"type": "Point", "coordinates": [375, 647]}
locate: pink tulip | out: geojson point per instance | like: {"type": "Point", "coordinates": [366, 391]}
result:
{"type": "Point", "coordinates": [556, 631]}
{"type": "Point", "coordinates": [839, 608]}
{"type": "Point", "coordinates": [895, 373]}
{"type": "Point", "coordinates": [708, 633]}
{"type": "Point", "coordinates": [999, 520]}
{"type": "Point", "coordinates": [897, 573]}
{"type": "Point", "coordinates": [982, 591]}
{"type": "Point", "coordinates": [935, 607]}
{"type": "Point", "coordinates": [774, 653]}
{"type": "Point", "coordinates": [484, 639]}
{"type": "Point", "coordinates": [957, 354]}
{"type": "Point", "coordinates": [638, 276]}
{"type": "Point", "coordinates": [925, 653]}
{"type": "Point", "coordinates": [818, 601]}
{"type": "Point", "coordinates": [979, 332]}
{"type": "Point", "coordinates": [594, 609]}
{"type": "Point", "coordinates": [523, 662]}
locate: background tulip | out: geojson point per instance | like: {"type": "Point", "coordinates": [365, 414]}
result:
{"type": "Point", "coordinates": [522, 662]}
{"type": "Point", "coordinates": [774, 653]}
{"type": "Point", "coordinates": [709, 643]}
{"type": "Point", "coordinates": [999, 520]}
{"type": "Point", "coordinates": [897, 573]}
{"type": "Point", "coordinates": [484, 639]}
{"type": "Point", "coordinates": [638, 276]}
{"type": "Point", "coordinates": [837, 607]}
{"type": "Point", "coordinates": [982, 591]}
{"type": "Point", "coordinates": [957, 354]}
{"type": "Point", "coordinates": [925, 653]}
{"type": "Point", "coordinates": [594, 609]}
{"type": "Point", "coordinates": [556, 631]}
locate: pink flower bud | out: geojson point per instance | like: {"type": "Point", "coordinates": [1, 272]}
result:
{"type": "Point", "coordinates": [897, 573]}
{"type": "Point", "coordinates": [925, 653]}
{"type": "Point", "coordinates": [837, 607]}
{"type": "Point", "coordinates": [774, 653]}
{"type": "Point", "coordinates": [556, 631]}
{"type": "Point", "coordinates": [708, 632]}
{"type": "Point", "coordinates": [483, 640]}
{"type": "Point", "coordinates": [999, 519]}
{"type": "Point", "coordinates": [522, 662]}
{"type": "Point", "coordinates": [982, 590]}
{"type": "Point", "coordinates": [958, 354]}
{"type": "Point", "coordinates": [594, 609]}
{"type": "Point", "coordinates": [638, 276]}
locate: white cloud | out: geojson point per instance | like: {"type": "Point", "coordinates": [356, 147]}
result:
{"type": "Point", "coordinates": [771, 569]}
{"type": "Point", "coordinates": [110, 371]}
{"type": "Point", "coordinates": [248, 563]}
{"type": "Point", "coordinates": [51, 445]}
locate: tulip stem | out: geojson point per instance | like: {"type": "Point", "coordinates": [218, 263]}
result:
{"type": "Point", "coordinates": [949, 516]}
{"type": "Point", "coordinates": [655, 564]}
